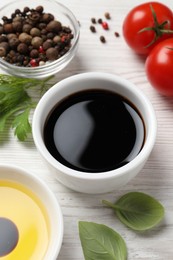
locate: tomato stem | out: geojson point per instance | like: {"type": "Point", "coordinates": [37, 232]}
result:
{"type": "Point", "coordinates": [159, 29]}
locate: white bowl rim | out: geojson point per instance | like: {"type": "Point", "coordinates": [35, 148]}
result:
{"type": "Point", "coordinates": [142, 156]}
{"type": "Point", "coordinates": [54, 250]}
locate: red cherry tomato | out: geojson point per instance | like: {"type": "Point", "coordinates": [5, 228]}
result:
{"type": "Point", "coordinates": [142, 17]}
{"type": "Point", "coordinates": [159, 67]}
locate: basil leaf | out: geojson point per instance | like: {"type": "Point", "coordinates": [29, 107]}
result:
{"type": "Point", "coordinates": [100, 242]}
{"type": "Point", "coordinates": [138, 210]}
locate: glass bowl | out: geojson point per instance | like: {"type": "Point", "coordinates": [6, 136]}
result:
{"type": "Point", "coordinates": [61, 14]}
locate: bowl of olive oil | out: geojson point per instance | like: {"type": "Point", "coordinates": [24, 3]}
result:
{"type": "Point", "coordinates": [31, 220]}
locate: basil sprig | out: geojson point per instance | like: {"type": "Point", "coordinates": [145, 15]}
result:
{"type": "Point", "coordinates": [100, 242]}
{"type": "Point", "coordinates": [137, 210]}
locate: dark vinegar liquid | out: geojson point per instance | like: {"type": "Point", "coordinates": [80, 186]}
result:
{"type": "Point", "coordinates": [94, 131]}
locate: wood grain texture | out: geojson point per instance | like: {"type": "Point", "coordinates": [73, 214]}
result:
{"type": "Point", "coordinates": [156, 178]}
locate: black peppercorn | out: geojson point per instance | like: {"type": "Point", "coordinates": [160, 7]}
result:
{"type": "Point", "coordinates": [107, 16]}
{"type": "Point", "coordinates": [8, 28]}
{"type": "Point", "coordinates": [52, 54]}
{"type": "Point", "coordinates": [42, 26]}
{"type": "Point", "coordinates": [17, 19]}
{"type": "Point", "coordinates": [54, 26]}
{"type": "Point", "coordinates": [35, 32]}
{"type": "Point", "coordinates": [25, 38]}
{"type": "Point", "coordinates": [102, 39]}
{"type": "Point", "coordinates": [1, 29]}
{"type": "Point", "coordinates": [2, 51]}
{"type": "Point", "coordinates": [26, 9]}
{"type": "Point", "coordinates": [57, 39]}
{"type": "Point", "coordinates": [11, 35]}
{"type": "Point", "coordinates": [47, 44]}
{"type": "Point", "coordinates": [27, 28]}
{"type": "Point", "coordinates": [22, 48]}
{"type": "Point", "coordinates": [3, 38]}
{"type": "Point", "coordinates": [5, 45]}
{"type": "Point", "coordinates": [34, 17]}
{"type": "Point", "coordinates": [93, 20]}
{"type": "Point", "coordinates": [45, 18]}
{"type": "Point", "coordinates": [17, 11]}
{"type": "Point", "coordinates": [37, 42]}
{"type": "Point", "coordinates": [17, 26]}
{"type": "Point", "coordinates": [100, 21]}
{"type": "Point", "coordinates": [34, 53]}
{"type": "Point", "coordinates": [39, 9]}
{"type": "Point", "coordinates": [92, 28]}
{"type": "Point", "coordinates": [13, 43]}
{"type": "Point", "coordinates": [50, 35]}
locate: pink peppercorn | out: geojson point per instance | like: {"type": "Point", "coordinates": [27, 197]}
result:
{"type": "Point", "coordinates": [105, 25]}
{"type": "Point", "coordinates": [33, 63]}
{"type": "Point", "coordinates": [41, 50]}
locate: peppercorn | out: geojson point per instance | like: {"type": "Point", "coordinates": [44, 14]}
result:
{"type": "Point", "coordinates": [1, 29]}
{"type": "Point", "coordinates": [39, 9]}
{"type": "Point", "coordinates": [17, 19]}
{"type": "Point", "coordinates": [17, 11]}
{"type": "Point", "coordinates": [33, 63]}
{"type": "Point", "coordinates": [116, 34]}
{"type": "Point", "coordinates": [41, 50]}
{"type": "Point", "coordinates": [11, 35]}
{"type": "Point", "coordinates": [42, 26]}
{"type": "Point", "coordinates": [56, 39]}
{"type": "Point", "coordinates": [44, 37]}
{"type": "Point", "coordinates": [102, 39]}
{"type": "Point", "coordinates": [27, 28]}
{"type": "Point", "coordinates": [43, 31]}
{"type": "Point", "coordinates": [25, 38]}
{"type": "Point", "coordinates": [34, 53]}
{"type": "Point", "coordinates": [17, 26]}
{"type": "Point", "coordinates": [50, 35]}
{"type": "Point", "coordinates": [5, 45]}
{"type": "Point", "coordinates": [3, 38]}
{"type": "Point", "coordinates": [66, 29]}
{"type": "Point", "coordinates": [46, 18]}
{"type": "Point", "coordinates": [37, 42]}
{"type": "Point", "coordinates": [52, 54]}
{"type": "Point", "coordinates": [35, 32]}
{"type": "Point", "coordinates": [93, 20]}
{"type": "Point", "coordinates": [47, 44]}
{"type": "Point", "coordinates": [2, 51]}
{"type": "Point", "coordinates": [34, 17]}
{"type": "Point", "coordinates": [107, 16]}
{"type": "Point", "coordinates": [26, 9]}
{"type": "Point", "coordinates": [22, 48]}
{"type": "Point", "coordinates": [100, 21]}
{"type": "Point", "coordinates": [8, 28]}
{"type": "Point", "coordinates": [12, 53]}
{"type": "Point", "coordinates": [92, 28]}
{"type": "Point", "coordinates": [54, 26]}
{"type": "Point", "coordinates": [14, 42]}
{"type": "Point", "coordinates": [41, 63]}
{"type": "Point", "coordinates": [105, 26]}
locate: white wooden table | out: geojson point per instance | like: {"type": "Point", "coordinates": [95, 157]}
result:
{"type": "Point", "coordinates": [156, 178]}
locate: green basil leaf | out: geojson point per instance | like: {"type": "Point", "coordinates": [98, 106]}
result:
{"type": "Point", "coordinates": [100, 242]}
{"type": "Point", "coordinates": [138, 210]}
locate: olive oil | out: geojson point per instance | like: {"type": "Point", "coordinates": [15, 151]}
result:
{"type": "Point", "coordinates": [25, 232]}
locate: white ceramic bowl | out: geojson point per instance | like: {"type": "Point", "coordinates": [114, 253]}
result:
{"type": "Point", "coordinates": [104, 181]}
{"type": "Point", "coordinates": [62, 14]}
{"type": "Point", "coordinates": [18, 175]}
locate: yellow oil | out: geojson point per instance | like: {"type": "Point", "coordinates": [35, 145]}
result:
{"type": "Point", "coordinates": [25, 210]}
